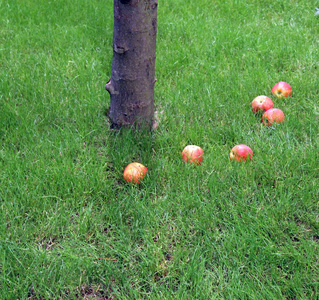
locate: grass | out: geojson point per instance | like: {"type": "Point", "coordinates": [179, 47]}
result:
{"type": "Point", "coordinates": [69, 225]}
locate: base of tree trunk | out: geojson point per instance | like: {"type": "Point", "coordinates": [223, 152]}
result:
{"type": "Point", "coordinates": [132, 82]}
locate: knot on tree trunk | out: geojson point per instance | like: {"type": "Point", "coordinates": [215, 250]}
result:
{"type": "Point", "coordinates": [110, 88]}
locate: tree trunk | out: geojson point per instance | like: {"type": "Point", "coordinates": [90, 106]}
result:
{"type": "Point", "coordinates": [131, 86]}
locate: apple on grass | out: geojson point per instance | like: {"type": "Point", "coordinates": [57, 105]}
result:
{"type": "Point", "coordinates": [134, 172]}
{"type": "Point", "coordinates": [241, 153]}
{"type": "Point", "coordinates": [281, 89]}
{"type": "Point", "coordinates": [262, 103]}
{"type": "Point", "coordinates": [193, 154]}
{"type": "Point", "coordinates": [273, 115]}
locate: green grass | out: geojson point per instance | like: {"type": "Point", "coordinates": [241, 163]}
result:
{"type": "Point", "coordinates": [218, 231]}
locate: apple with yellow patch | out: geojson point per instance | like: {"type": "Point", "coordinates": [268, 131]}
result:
{"type": "Point", "coordinates": [241, 153]}
{"type": "Point", "coordinates": [281, 89]}
{"type": "Point", "coordinates": [193, 154]}
{"type": "Point", "coordinates": [134, 172]}
{"type": "Point", "coordinates": [273, 115]}
{"type": "Point", "coordinates": [262, 103]}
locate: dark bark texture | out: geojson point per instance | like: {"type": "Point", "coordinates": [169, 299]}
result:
{"type": "Point", "coordinates": [131, 86]}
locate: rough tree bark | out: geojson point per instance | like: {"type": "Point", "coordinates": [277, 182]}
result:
{"type": "Point", "coordinates": [131, 86]}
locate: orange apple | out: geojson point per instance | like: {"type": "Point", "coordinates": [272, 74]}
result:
{"type": "Point", "coordinates": [241, 153]}
{"type": "Point", "coordinates": [262, 103]}
{"type": "Point", "coordinates": [193, 154]}
{"type": "Point", "coordinates": [134, 172]}
{"type": "Point", "coordinates": [281, 89]}
{"type": "Point", "coordinates": [273, 115]}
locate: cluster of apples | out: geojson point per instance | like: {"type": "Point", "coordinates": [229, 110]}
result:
{"type": "Point", "coordinates": [135, 172]}
{"type": "Point", "coordinates": [263, 104]}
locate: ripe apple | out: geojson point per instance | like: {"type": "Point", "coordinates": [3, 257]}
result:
{"type": "Point", "coordinates": [262, 103]}
{"type": "Point", "coordinates": [134, 172]}
{"type": "Point", "coordinates": [281, 89]}
{"type": "Point", "coordinates": [193, 154]}
{"type": "Point", "coordinates": [241, 153]}
{"type": "Point", "coordinates": [273, 115]}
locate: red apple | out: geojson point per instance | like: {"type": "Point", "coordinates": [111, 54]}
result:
{"type": "Point", "coordinates": [262, 103]}
{"type": "Point", "coordinates": [134, 172]}
{"type": "Point", "coordinates": [273, 115]}
{"type": "Point", "coordinates": [193, 154]}
{"type": "Point", "coordinates": [241, 153]}
{"type": "Point", "coordinates": [281, 89]}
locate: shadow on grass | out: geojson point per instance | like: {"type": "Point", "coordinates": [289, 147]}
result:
{"type": "Point", "coordinates": [127, 145]}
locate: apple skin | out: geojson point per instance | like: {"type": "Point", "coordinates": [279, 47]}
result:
{"type": "Point", "coordinates": [273, 115]}
{"type": "Point", "coordinates": [262, 103]}
{"type": "Point", "coordinates": [281, 89]}
{"type": "Point", "coordinates": [241, 153]}
{"type": "Point", "coordinates": [193, 154]}
{"type": "Point", "coordinates": [134, 172]}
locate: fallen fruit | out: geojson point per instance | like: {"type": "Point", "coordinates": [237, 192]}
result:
{"type": "Point", "coordinates": [134, 172]}
{"type": "Point", "coordinates": [193, 154]}
{"type": "Point", "coordinates": [281, 89]}
{"type": "Point", "coordinates": [273, 115]}
{"type": "Point", "coordinates": [262, 103]}
{"type": "Point", "coordinates": [241, 153]}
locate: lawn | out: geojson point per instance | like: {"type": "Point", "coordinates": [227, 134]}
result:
{"type": "Point", "coordinates": [71, 228]}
